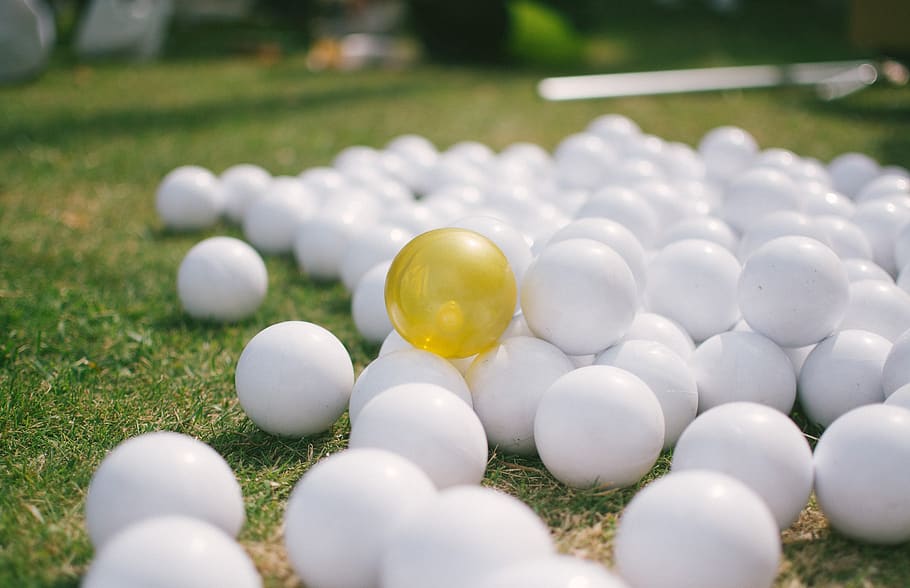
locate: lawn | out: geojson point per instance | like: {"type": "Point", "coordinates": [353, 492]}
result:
{"type": "Point", "coordinates": [95, 346]}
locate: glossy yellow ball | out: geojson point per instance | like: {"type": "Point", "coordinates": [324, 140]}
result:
{"type": "Point", "coordinates": [450, 291]}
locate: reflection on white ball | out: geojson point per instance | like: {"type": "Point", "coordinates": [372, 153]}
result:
{"type": "Point", "coordinates": [172, 551]}
{"type": "Point", "coordinates": [221, 279]}
{"type": "Point", "coordinates": [428, 425]}
{"type": "Point", "coordinates": [599, 426]}
{"type": "Point", "coordinates": [294, 378]}
{"type": "Point", "coordinates": [862, 482]}
{"type": "Point", "coordinates": [757, 445]}
{"type": "Point", "coordinates": [161, 473]}
{"type": "Point", "coordinates": [343, 512]}
{"type": "Point", "coordinates": [697, 529]}
{"type": "Point", "coordinates": [189, 198]}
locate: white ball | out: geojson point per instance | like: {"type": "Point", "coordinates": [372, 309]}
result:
{"type": "Point", "coordinates": [294, 378]}
{"type": "Point", "coordinates": [271, 222]}
{"type": "Point", "coordinates": [464, 534]}
{"type": "Point", "coordinates": [172, 551]}
{"type": "Point", "coordinates": [794, 290]}
{"type": "Point", "coordinates": [613, 235]}
{"type": "Point", "coordinates": [727, 151]}
{"type": "Point", "coordinates": [161, 473]}
{"type": "Point", "coordinates": [783, 223]}
{"type": "Point", "coordinates": [560, 571]}
{"type": "Point", "coordinates": [431, 427]}
{"type": "Point", "coordinates": [821, 200]}
{"type": "Point", "coordinates": [343, 512]}
{"type": "Point", "coordinates": [506, 384]}
{"type": "Point", "coordinates": [242, 184]}
{"type": "Point", "coordinates": [614, 128]}
{"type": "Point", "coordinates": [862, 482]}
{"type": "Point", "coordinates": [756, 193]}
{"type": "Point", "coordinates": [221, 279]}
{"type": "Point", "coordinates": [707, 228]}
{"type": "Point", "coordinates": [189, 198]}
{"type": "Point", "coordinates": [582, 160]}
{"type": "Point", "coordinates": [579, 295]}
{"type": "Point", "coordinates": [896, 370]}
{"type": "Point", "coordinates": [697, 529]}
{"type": "Point", "coordinates": [404, 367]}
{"type": "Point", "coordinates": [879, 307]}
{"type": "Point", "coordinates": [626, 207]}
{"type": "Point", "coordinates": [368, 304]}
{"type": "Point", "coordinates": [599, 426]}
{"type": "Point", "coordinates": [902, 247]}
{"type": "Point", "coordinates": [851, 171]}
{"type": "Point", "coordinates": [655, 327]}
{"type": "Point", "coordinates": [842, 372]}
{"type": "Point", "coordinates": [743, 366]}
{"type": "Point", "coordinates": [694, 282]}
{"type": "Point", "coordinates": [884, 186]}
{"type": "Point", "coordinates": [844, 237]}
{"type": "Point", "coordinates": [320, 243]}
{"type": "Point", "coordinates": [865, 269]}
{"type": "Point", "coordinates": [666, 374]}
{"type": "Point", "coordinates": [372, 245]}
{"type": "Point", "coordinates": [758, 446]}
{"type": "Point", "coordinates": [900, 397]}
{"type": "Point", "coordinates": [881, 221]}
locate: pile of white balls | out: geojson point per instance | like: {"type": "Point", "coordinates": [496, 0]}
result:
{"type": "Point", "coordinates": [670, 298]}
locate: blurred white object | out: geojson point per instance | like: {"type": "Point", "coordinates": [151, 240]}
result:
{"type": "Point", "coordinates": [130, 28]}
{"type": "Point", "coordinates": [27, 35]}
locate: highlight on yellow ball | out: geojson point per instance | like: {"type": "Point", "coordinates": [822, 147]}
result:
{"type": "Point", "coordinates": [450, 291]}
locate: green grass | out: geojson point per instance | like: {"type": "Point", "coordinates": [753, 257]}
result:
{"type": "Point", "coordinates": [96, 349]}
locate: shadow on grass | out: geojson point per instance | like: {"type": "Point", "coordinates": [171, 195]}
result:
{"type": "Point", "coordinates": [250, 446]}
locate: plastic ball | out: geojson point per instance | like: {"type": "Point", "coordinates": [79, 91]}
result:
{"type": "Point", "coordinates": [614, 128]}
{"type": "Point", "coordinates": [271, 222]}
{"type": "Point", "coordinates": [666, 374]}
{"type": "Point", "coordinates": [373, 244]}
{"type": "Point", "coordinates": [404, 367]}
{"type": "Point", "coordinates": [294, 378]}
{"type": "Point", "coordinates": [706, 228]}
{"type": "Point", "coordinates": [756, 193]}
{"type": "Point", "coordinates": [599, 426]}
{"type": "Point", "coordinates": [896, 370]}
{"type": "Point", "coordinates": [582, 160]}
{"type": "Point", "coordinates": [794, 290]}
{"type": "Point", "coordinates": [321, 242]}
{"type": "Point", "coordinates": [243, 183]}
{"type": "Point", "coordinates": [783, 223]}
{"type": "Point", "coordinates": [881, 221]}
{"type": "Point", "coordinates": [450, 291]}
{"type": "Point", "coordinates": [845, 238]}
{"type": "Point", "coordinates": [727, 151]}
{"type": "Point", "coordinates": [221, 279]}
{"type": "Point", "coordinates": [428, 425]}
{"type": "Point", "coordinates": [758, 446]}
{"type": "Point", "coordinates": [851, 171]}
{"type": "Point", "coordinates": [697, 529]}
{"type": "Point", "coordinates": [172, 551]}
{"type": "Point", "coordinates": [368, 304]}
{"type": "Point", "coordinates": [626, 207]}
{"type": "Point", "coordinates": [579, 295]}
{"type": "Point", "coordinates": [743, 366]}
{"type": "Point", "coordinates": [862, 482]}
{"type": "Point", "coordinates": [189, 198]}
{"type": "Point", "coordinates": [865, 269]}
{"type": "Point", "coordinates": [879, 307]}
{"type": "Point", "coordinates": [884, 186]}
{"type": "Point", "coordinates": [694, 283]}
{"type": "Point", "coordinates": [507, 382]}
{"type": "Point", "coordinates": [902, 247]}
{"type": "Point", "coordinates": [161, 473]}
{"type": "Point", "coordinates": [343, 512]}
{"type": "Point", "coordinates": [842, 372]}
{"type": "Point", "coordinates": [900, 397]}
{"type": "Point", "coordinates": [467, 532]}
{"type": "Point", "coordinates": [821, 200]}
{"type": "Point", "coordinates": [655, 327]}
{"type": "Point", "coordinates": [560, 571]}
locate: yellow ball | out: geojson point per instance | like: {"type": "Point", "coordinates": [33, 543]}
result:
{"type": "Point", "coordinates": [450, 291]}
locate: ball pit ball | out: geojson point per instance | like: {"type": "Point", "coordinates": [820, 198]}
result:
{"type": "Point", "coordinates": [599, 426]}
{"type": "Point", "coordinates": [851, 171]}
{"type": "Point", "coordinates": [880, 307]}
{"type": "Point", "coordinates": [706, 228]}
{"type": "Point", "coordinates": [900, 397]}
{"type": "Point", "coordinates": [655, 327]}
{"type": "Point", "coordinates": [368, 246]}
{"type": "Point", "coordinates": [864, 269]}
{"type": "Point", "coordinates": [694, 283]}
{"type": "Point", "coordinates": [509, 239]}
{"type": "Point", "coordinates": [157, 474]}
{"type": "Point", "coordinates": [320, 243]}
{"type": "Point", "coordinates": [794, 290]}
{"type": "Point", "coordinates": [243, 183]}
{"type": "Point", "coordinates": [343, 512]}
{"type": "Point", "coordinates": [368, 304]}
{"type": "Point", "coordinates": [697, 529]}
{"type": "Point", "coordinates": [450, 291]}
{"type": "Point", "coordinates": [582, 160]}
{"type": "Point", "coordinates": [465, 533]}
{"type": "Point", "coordinates": [842, 372]}
{"type": "Point", "coordinates": [626, 207]}
{"type": "Point", "coordinates": [271, 222]}
{"type": "Point", "coordinates": [666, 374]}
{"type": "Point", "coordinates": [881, 221]}
{"type": "Point", "coordinates": [403, 367]}
{"type": "Point", "coordinates": [884, 186]}
{"type": "Point", "coordinates": [862, 482]}
{"type": "Point", "coordinates": [221, 279]}
{"type": "Point", "coordinates": [172, 551]}
{"type": "Point", "coordinates": [845, 238]}
{"type": "Point", "coordinates": [758, 192]}
{"type": "Point", "coordinates": [429, 426]}
{"type": "Point", "coordinates": [727, 151]}
{"type": "Point", "coordinates": [579, 295]}
{"type": "Point", "coordinates": [560, 571]}
{"type": "Point", "coordinates": [896, 371]}
{"type": "Point", "coordinates": [758, 446]}
{"type": "Point", "coordinates": [743, 366]}
{"type": "Point", "coordinates": [189, 198]}
{"type": "Point", "coordinates": [506, 384]}
{"type": "Point", "coordinates": [783, 223]}
{"type": "Point", "coordinates": [294, 379]}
